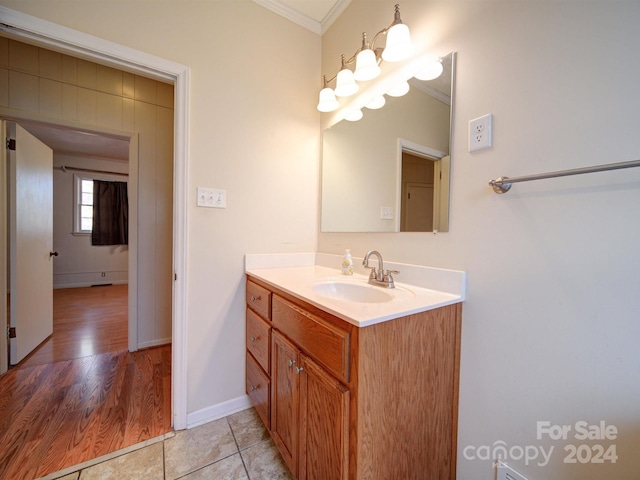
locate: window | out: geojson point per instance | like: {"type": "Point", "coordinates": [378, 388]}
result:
{"type": "Point", "coordinates": [86, 205]}
{"type": "Point", "coordinates": [83, 201]}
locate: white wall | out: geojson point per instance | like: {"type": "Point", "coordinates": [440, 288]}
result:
{"type": "Point", "coordinates": [79, 264]}
{"type": "Point", "coordinates": [550, 325]}
{"type": "Point", "coordinates": [253, 132]}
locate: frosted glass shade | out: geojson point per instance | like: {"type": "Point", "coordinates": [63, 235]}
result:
{"type": "Point", "coordinates": [376, 103]}
{"type": "Point", "coordinates": [399, 46]}
{"type": "Point", "coordinates": [366, 66]}
{"type": "Point", "coordinates": [353, 115]}
{"type": "Point", "coordinates": [345, 83]}
{"type": "Point", "coordinates": [431, 69]}
{"type": "Point", "coordinates": [399, 90]}
{"type": "Point", "coordinates": [327, 101]}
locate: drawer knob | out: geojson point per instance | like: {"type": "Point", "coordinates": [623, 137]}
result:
{"type": "Point", "coordinates": [255, 339]}
{"type": "Point", "coordinates": [255, 299]}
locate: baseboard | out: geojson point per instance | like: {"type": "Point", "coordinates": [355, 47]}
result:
{"type": "Point", "coordinates": [154, 343]}
{"type": "Point", "coordinates": [87, 284]}
{"type": "Point", "coordinates": [220, 410]}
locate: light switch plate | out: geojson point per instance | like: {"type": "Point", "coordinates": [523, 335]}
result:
{"type": "Point", "coordinates": [212, 198]}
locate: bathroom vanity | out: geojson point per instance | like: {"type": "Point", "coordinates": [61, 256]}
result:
{"type": "Point", "coordinates": [347, 389]}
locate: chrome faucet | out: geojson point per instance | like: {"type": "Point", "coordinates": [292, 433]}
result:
{"type": "Point", "coordinates": [379, 277]}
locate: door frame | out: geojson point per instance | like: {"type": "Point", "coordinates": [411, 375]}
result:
{"type": "Point", "coordinates": [46, 34]}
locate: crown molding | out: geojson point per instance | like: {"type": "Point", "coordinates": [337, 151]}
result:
{"type": "Point", "coordinates": [303, 20]}
{"type": "Point", "coordinates": [333, 14]}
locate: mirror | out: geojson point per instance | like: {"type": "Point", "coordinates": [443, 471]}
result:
{"type": "Point", "coordinates": [389, 172]}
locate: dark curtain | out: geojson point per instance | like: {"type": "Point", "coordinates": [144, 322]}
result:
{"type": "Point", "coordinates": [110, 213]}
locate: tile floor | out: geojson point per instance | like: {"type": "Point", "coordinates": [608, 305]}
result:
{"type": "Point", "coordinates": [235, 447]}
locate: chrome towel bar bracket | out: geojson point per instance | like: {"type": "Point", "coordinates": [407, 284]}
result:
{"type": "Point", "coordinates": [503, 184]}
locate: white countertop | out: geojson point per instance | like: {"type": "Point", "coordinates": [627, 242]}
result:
{"type": "Point", "coordinates": [297, 275]}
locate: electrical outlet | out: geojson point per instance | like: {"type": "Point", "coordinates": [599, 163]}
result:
{"type": "Point", "coordinates": [480, 133]}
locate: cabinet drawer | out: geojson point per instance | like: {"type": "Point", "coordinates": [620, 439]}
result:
{"type": "Point", "coordinates": [326, 343]}
{"type": "Point", "coordinates": [259, 300]}
{"type": "Point", "coordinates": [259, 340]}
{"type": "Point", "coordinates": [259, 390]}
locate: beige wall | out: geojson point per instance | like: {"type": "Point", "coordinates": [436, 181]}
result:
{"type": "Point", "coordinates": [253, 132]}
{"type": "Point", "coordinates": [550, 325]}
{"type": "Point", "coordinates": [41, 84]}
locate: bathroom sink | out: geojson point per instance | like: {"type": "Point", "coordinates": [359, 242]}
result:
{"type": "Point", "coordinates": [352, 292]}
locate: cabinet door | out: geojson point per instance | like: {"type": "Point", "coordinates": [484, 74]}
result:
{"type": "Point", "coordinates": [258, 389]}
{"type": "Point", "coordinates": [324, 424]}
{"type": "Point", "coordinates": [285, 390]}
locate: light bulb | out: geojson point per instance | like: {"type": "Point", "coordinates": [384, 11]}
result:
{"type": "Point", "coordinates": [399, 90]}
{"type": "Point", "coordinates": [366, 66]}
{"type": "Point", "coordinates": [399, 46]}
{"type": "Point", "coordinates": [431, 69]}
{"type": "Point", "coordinates": [353, 115]}
{"type": "Point", "coordinates": [376, 103]}
{"type": "Point", "coordinates": [345, 83]}
{"type": "Point", "coordinates": [327, 101]}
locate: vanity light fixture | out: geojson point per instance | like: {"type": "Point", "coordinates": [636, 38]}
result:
{"type": "Point", "coordinates": [367, 58]}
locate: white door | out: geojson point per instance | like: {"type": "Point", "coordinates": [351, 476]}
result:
{"type": "Point", "coordinates": [30, 185]}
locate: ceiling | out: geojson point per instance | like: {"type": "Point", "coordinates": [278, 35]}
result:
{"type": "Point", "coordinates": [79, 143]}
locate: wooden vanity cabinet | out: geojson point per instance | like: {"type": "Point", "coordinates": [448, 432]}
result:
{"type": "Point", "coordinates": [370, 403]}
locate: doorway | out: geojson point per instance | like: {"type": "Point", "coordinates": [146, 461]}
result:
{"type": "Point", "coordinates": [77, 262]}
{"type": "Point", "coordinates": [107, 53]}
{"type": "Point", "coordinates": [423, 188]}
{"type": "Point", "coordinates": [85, 322]}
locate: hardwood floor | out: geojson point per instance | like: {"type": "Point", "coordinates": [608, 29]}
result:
{"type": "Point", "coordinates": [90, 401]}
{"type": "Point", "coordinates": [86, 321]}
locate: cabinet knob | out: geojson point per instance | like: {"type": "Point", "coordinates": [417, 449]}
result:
{"type": "Point", "coordinates": [299, 369]}
{"type": "Point", "coordinates": [291, 363]}
{"type": "Point", "coordinates": [255, 339]}
{"type": "Point", "coordinates": [255, 299]}
{"type": "Point", "coordinates": [254, 388]}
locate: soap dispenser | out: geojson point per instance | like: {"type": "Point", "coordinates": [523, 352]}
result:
{"type": "Point", "coordinates": [347, 263]}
